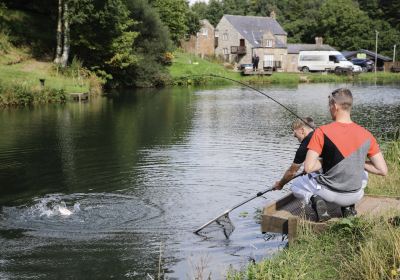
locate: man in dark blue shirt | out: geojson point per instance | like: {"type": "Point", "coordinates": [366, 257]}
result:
{"type": "Point", "coordinates": [303, 133]}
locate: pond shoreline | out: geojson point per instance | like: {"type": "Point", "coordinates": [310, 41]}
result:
{"type": "Point", "coordinates": [351, 248]}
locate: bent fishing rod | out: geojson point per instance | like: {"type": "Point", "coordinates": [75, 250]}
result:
{"type": "Point", "coordinates": [238, 205]}
{"type": "Point", "coordinates": [259, 193]}
{"type": "Point", "coordinates": [253, 88]}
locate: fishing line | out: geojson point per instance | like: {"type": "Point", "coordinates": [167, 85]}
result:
{"type": "Point", "coordinates": [257, 90]}
{"type": "Point", "coordinates": [223, 219]}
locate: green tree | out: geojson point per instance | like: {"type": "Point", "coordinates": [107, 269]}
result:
{"type": "Point", "coordinates": [174, 14]}
{"type": "Point", "coordinates": [391, 12]}
{"type": "Point", "coordinates": [200, 8]}
{"type": "Point", "coordinates": [262, 8]}
{"type": "Point", "coordinates": [344, 25]}
{"type": "Point", "coordinates": [192, 22]}
{"type": "Point", "coordinates": [299, 19]}
{"type": "Point", "coordinates": [372, 8]}
{"type": "Point", "coordinates": [235, 7]}
{"type": "Point", "coordinates": [152, 43]}
{"type": "Point", "coordinates": [388, 37]}
{"type": "Point", "coordinates": [215, 12]}
{"type": "Point", "coordinates": [104, 37]}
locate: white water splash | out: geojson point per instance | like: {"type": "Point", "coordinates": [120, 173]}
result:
{"type": "Point", "coordinates": [51, 206]}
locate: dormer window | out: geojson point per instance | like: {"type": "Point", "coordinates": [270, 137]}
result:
{"type": "Point", "coordinates": [268, 43]}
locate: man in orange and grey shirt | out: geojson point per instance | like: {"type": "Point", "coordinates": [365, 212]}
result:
{"type": "Point", "coordinates": [343, 147]}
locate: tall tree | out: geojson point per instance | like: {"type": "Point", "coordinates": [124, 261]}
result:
{"type": "Point", "coordinates": [391, 12]}
{"type": "Point", "coordinates": [152, 43]}
{"type": "Point", "coordinates": [174, 14]}
{"type": "Point", "coordinates": [59, 33]}
{"type": "Point", "coordinates": [344, 25]}
{"type": "Point", "coordinates": [104, 37]}
{"type": "Point", "coordinates": [235, 7]}
{"type": "Point", "coordinates": [215, 11]}
{"type": "Point", "coordinates": [200, 8]}
{"type": "Point", "coordinates": [192, 22]}
{"type": "Point", "coordinates": [300, 19]}
{"type": "Point", "coordinates": [262, 8]}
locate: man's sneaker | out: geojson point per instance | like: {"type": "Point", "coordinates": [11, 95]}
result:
{"type": "Point", "coordinates": [348, 211]}
{"type": "Point", "coordinates": [319, 206]}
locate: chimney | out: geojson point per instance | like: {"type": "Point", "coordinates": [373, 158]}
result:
{"type": "Point", "coordinates": [272, 14]}
{"type": "Point", "coordinates": [318, 41]}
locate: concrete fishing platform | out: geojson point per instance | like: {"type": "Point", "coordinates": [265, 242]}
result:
{"type": "Point", "coordinates": [79, 96]}
{"type": "Point", "coordinates": [260, 72]}
{"type": "Point", "coordinates": [284, 215]}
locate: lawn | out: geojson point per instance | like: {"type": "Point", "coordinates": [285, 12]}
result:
{"type": "Point", "coordinates": [189, 69]}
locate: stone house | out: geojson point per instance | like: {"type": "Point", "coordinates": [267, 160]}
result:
{"type": "Point", "coordinates": [238, 38]}
{"type": "Point", "coordinates": [203, 42]}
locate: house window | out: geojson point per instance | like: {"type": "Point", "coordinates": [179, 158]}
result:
{"type": "Point", "coordinates": [268, 60]}
{"type": "Point", "coordinates": [225, 36]}
{"type": "Point", "coordinates": [268, 43]}
{"type": "Point", "coordinates": [204, 32]}
{"type": "Point", "coordinates": [226, 54]}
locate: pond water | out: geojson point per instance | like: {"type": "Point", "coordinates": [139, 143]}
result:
{"type": "Point", "coordinates": [95, 190]}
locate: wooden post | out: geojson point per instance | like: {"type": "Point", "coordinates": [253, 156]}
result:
{"type": "Point", "coordinates": [292, 229]}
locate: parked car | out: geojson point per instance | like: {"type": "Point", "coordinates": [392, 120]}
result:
{"type": "Point", "coordinates": [357, 69]}
{"type": "Point", "coordinates": [366, 64]}
{"type": "Point", "coordinates": [245, 66]}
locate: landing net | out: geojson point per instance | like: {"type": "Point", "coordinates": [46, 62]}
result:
{"type": "Point", "coordinates": [222, 226]}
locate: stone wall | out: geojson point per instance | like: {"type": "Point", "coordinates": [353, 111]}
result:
{"type": "Point", "coordinates": [203, 43]}
{"type": "Point", "coordinates": [278, 55]}
{"type": "Point", "coordinates": [227, 37]}
{"type": "Point", "coordinates": [292, 61]}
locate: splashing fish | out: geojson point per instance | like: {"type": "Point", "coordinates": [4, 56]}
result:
{"type": "Point", "coordinates": [64, 211]}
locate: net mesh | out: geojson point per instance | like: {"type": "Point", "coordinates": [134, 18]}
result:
{"type": "Point", "coordinates": [223, 226]}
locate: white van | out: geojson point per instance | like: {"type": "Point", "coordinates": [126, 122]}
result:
{"type": "Point", "coordinates": [322, 61]}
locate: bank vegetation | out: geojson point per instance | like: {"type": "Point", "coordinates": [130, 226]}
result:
{"type": "Point", "coordinates": [188, 69]}
{"type": "Point", "coordinates": [352, 248]}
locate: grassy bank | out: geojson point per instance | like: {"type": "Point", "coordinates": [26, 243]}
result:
{"type": "Point", "coordinates": [186, 66]}
{"type": "Point", "coordinates": [20, 77]}
{"type": "Point", "coordinates": [354, 248]}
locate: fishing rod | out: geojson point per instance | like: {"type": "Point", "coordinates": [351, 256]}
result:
{"type": "Point", "coordinates": [226, 213]}
{"type": "Point", "coordinates": [257, 90]}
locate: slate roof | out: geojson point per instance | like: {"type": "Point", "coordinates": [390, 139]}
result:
{"type": "Point", "coordinates": [296, 48]}
{"type": "Point", "coordinates": [252, 28]}
{"type": "Point", "coordinates": [370, 53]}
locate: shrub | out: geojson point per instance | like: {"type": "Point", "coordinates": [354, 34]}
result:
{"type": "Point", "coordinates": [95, 85]}
{"type": "Point", "coordinates": [168, 58]}
{"type": "Point", "coordinates": [5, 44]}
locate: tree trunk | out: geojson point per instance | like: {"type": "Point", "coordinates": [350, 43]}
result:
{"type": "Point", "coordinates": [65, 54]}
{"type": "Point", "coordinates": [57, 58]}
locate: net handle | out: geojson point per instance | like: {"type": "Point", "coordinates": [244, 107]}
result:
{"type": "Point", "coordinates": [238, 205]}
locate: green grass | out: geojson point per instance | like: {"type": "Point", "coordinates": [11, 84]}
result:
{"type": "Point", "coordinates": [29, 72]}
{"type": "Point", "coordinates": [187, 69]}
{"type": "Point", "coordinates": [352, 248]}
{"type": "Point", "coordinates": [389, 185]}
{"type": "Point", "coordinates": [20, 79]}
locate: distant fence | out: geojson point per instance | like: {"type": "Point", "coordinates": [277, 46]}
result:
{"type": "Point", "coordinates": [392, 66]}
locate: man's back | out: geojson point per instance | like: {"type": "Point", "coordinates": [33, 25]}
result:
{"type": "Point", "coordinates": [343, 148]}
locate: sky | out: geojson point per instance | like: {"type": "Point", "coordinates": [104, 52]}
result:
{"type": "Point", "coordinates": [194, 1]}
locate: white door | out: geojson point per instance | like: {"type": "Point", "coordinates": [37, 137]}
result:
{"type": "Point", "coordinates": [268, 60]}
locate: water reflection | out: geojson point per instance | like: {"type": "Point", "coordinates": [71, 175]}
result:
{"type": "Point", "coordinates": [147, 168]}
